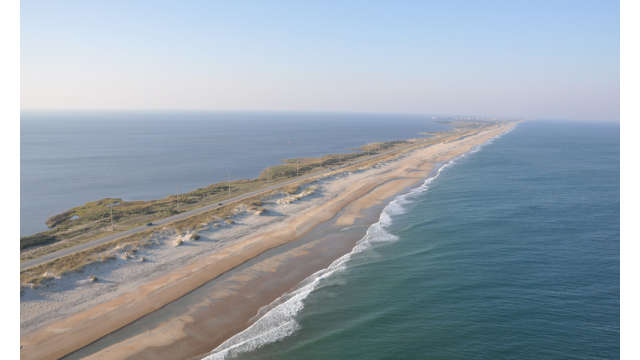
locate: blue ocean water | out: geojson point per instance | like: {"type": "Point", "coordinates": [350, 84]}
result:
{"type": "Point", "coordinates": [68, 159]}
{"type": "Point", "coordinates": [511, 252]}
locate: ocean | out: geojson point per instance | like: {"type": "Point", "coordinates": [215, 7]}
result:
{"type": "Point", "coordinates": [509, 252]}
{"type": "Point", "coordinates": [70, 158]}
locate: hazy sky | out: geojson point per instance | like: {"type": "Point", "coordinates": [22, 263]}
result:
{"type": "Point", "coordinates": [532, 59]}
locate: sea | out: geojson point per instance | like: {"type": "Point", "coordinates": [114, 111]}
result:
{"type": "Point", "coordinates": [70, 158]}
{"type": "Point", "coordinates": [508, 252]}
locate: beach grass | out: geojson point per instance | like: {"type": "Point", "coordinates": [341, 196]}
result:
{"type": "Point", "coordinates": [93, 220]}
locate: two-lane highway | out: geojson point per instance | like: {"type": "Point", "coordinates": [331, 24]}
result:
{"type": "Point", "coordinates": [93, 243]}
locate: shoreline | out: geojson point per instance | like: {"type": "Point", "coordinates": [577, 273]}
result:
{"type": "Point", "coordinates": [83, 226]}
{"type": "Point", "coordinates": [344, 209]}
{"type": "Point", "coordinates": [373, 228]}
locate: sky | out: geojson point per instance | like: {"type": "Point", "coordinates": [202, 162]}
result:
{"type": "Point", "coordinates": [524, 59]}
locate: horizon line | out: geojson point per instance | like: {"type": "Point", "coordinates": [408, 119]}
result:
{"type": "Point", "coordinates": [350, 112]}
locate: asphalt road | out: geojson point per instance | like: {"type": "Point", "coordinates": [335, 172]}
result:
{"type": "Point", "coordinates": [93, 243]}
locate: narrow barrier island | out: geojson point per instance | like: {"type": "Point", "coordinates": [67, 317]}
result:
{"type": "Point", "coordinates": [98, 219]}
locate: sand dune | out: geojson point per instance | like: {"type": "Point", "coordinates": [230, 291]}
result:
{"type": "Point", "coordinates": [230, 304]}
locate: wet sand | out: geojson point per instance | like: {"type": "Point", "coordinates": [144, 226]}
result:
{"type": "Point", "coordinates": [208, 315]}
{"type": "Point", "coordinates": [192, 310]}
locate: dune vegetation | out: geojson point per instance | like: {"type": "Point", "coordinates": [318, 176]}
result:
{"type": "Point", "coordinates": [103, 217]}
{"type": "Point", "coordinates": [94, 219]}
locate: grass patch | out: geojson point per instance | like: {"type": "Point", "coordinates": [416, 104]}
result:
{"type": "Point", "coordinates": [93, 219]}
{"type": "Point", "coordinates": [40, 274]}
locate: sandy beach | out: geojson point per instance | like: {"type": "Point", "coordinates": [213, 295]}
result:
{"type": "Point", "coordinates": [172, 302]}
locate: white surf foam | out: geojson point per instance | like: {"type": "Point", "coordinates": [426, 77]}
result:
{"type": "Point", "coordinates": [279, 321]}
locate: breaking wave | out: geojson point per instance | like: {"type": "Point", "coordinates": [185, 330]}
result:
{"type": "Point", "coordinates": [278, 319]}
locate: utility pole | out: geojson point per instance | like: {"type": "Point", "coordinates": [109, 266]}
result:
{"type": "Point", "coordinates": [177, 203]}
{"type": "Point", "coordinates": [111, 207]}
{"type": "Point", "coordinates": [229, 181]}
{"type": "Point", "coordinates": [297, 167]}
